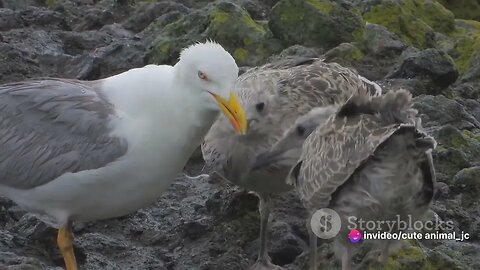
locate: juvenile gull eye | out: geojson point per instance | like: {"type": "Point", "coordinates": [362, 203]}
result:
{"type": "Point", "coordinates": [260, 106]}
{"type": "Point", "coordinates": [300, 130]}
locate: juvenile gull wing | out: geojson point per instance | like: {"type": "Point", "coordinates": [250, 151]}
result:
{"type": "Point", "coordinates": [335, 150]}
{"type": "Point", "coordinates": [51, 127]}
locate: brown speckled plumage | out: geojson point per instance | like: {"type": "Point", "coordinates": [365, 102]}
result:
{"type": "Point", "coordinates": [370, 160]}
{"type": "Point", "coordinates": [274, 96]}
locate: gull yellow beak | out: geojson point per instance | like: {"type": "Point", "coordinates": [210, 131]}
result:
{"type": "Point", "coordinates": [233, 111]}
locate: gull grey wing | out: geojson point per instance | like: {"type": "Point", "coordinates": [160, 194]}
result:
{"type": "Point", "coordinates": [52, 126]}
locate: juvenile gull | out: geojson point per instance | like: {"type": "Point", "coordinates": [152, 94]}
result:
{"type": "Point", "coordinates": [77, 150]}
{"type": "Point", "coordinates": [273, 97]}
{"type": "Point", "coordinates": [369, 160]}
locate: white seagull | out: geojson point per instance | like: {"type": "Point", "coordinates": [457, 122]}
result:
{"type": "Point", "coordinates": [77, 150]}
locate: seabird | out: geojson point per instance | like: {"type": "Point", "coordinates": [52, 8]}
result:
{"type": "Point", "coordinates": [90, 150]}
{"type": "Point", "coordinates": [274, 96]}
{"type": "Point", "coordinates": [369, 160]}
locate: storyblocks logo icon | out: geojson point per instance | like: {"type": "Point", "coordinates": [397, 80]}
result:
{"type": "Point", "coordinates": [326, 223]}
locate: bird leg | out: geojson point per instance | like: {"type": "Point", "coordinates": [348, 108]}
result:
{"type": "Point", "coordinates": [313, 244]}
{"type": "Point", "coordinates": [64, 242]}
{"type": "Point", "coordinates": [347, 259]}
{"type": "Point", "coordinates": [263, 262]}
{"type": "Point", "coordinates": [384, 252]}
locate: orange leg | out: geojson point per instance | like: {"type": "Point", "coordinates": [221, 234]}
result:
{"type": "Point", "coordinates": [64, 242]}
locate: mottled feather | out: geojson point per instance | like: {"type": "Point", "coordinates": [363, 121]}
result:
{"type": "Point", "coordinates": [289, 88]}
{"type": "Point", "coordinates": [335, 150]}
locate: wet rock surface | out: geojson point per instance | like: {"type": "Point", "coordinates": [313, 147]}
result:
{"type": "Point", "coordinates": [207, 224]}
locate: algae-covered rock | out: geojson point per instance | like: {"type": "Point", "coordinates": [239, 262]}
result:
{"type": "Point", "coordinates": [456, 149]}
{"type": "Point", "coordinates": [346, 54]}
{"type": "Point", "coordinates": [466, 40]}
{"type": "Point", "coordinates": [412, 257]}
{"type": "Point", "coordinates": [316, 23]}
{"type": "Point", "coordinates": [467, 181]}
{"type": "Point", "coordinates": [463, 9]}
{"type": "Point", "coordinates": [429, 65]}
{"type": "Point", "coordinates": [295, 50]}
{"type": "Point", "coordinates": [472, 74]}
{"type": "Point", "coordinates": [250, 42]}
{"type": "Point", "coordinates": [381, 42]}
{"type": "Point", "coordinates": [413, 20]}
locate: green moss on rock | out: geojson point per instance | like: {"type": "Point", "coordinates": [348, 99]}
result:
{"type": "Point", "coordinates": [240, 54]}
{"type": "Point", "coordinates": [454, 149]}
{"type": "Point", "coordinates": [315, 23]}
{"type": "Point", "coordinates": [466, 38]}
{"type": "Point", "coordinates": [468, 181]}
{"type": "Point", "coordinates": [321, 5]}
{"type": "Point", "coordinates": [449, 136]}
{"type": "Point", "coordinates": [345, 54]}
{"type": "Point", "coordinates": [413, 20]}
{"type": "Point", "coordinates": [250, 42]}
{"type": "Point", "coordinates": [412, 257]}
{"type": "Point", "coordinates": [463, 9]}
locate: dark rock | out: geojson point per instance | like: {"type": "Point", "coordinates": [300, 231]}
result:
{"type": "Point", "coordinates": [415, 86]}
{"type": "Point", "coordinates": [467, 183]}
{"type": "Point", "coordinates": [16, 64]}
{"type": "Point", "coordinates": [463, 9]}
{"type": "Point", "coordinates": [463, 44]}
{"type": "Point", "coordinates": [113, 59]}
{"type": "Point", "coordinates": [95, 19]}
{"type": "Point", "coordinates": [442, 191]}
{"type": "Point", "coordinates": [472, 106]}
{"type": "Point", "coordinates": [345, 54]}
{"type": "Point", "coordinates": [449, 161]}
{"type": "Point", "coordinates": [19, 4]}
{"type": "Point", "coordinates": [380, 42]}
{"type": "Point", "coordinates": [9, 19]}
{"type": "Point", "coordinates": [430, 65]}
{"type": "Point", "coordinates": [249, 42]}
{"type": "Point", "coordinates": [469, 83]}
{"type": "Point", "coordinates": [295, 50]}
{"type": "Point", "coordinates": [319, 23]}
{"type": "Point", "coordinates": [43, 17]}
{"type": "Point", "coordinates": [467, 90]}
{"type": "Point", "coordinates": [195, 229]}
{"type": "Point", "coordinates": [286, 246]}
{"type": "Point", "coordinates": [472, 74]}
{"type": "Point", "coordinates": [258, 10]}
{"type": "Point", "coordinates": [439, 111]}
{"type": "Point", "coordinates": [146, 13]}
{"type": "Point", "coordinates": [414, 21]}
{"type": "Point", "coordinates": [78, 43]}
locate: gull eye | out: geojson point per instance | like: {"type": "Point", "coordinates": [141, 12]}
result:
{"type": "Point", "coordinates": [259, 106]}
{"type": "Point", "coordinates": [300, 130]}
{"type": "Point", "coordinates": [202, 76]}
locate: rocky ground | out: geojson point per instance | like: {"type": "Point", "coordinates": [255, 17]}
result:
{"type": "Point", "coordinates": [429, 49]}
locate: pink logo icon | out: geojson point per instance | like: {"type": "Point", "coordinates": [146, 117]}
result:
{"type": "Point", "coordinates": [354, 236]}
